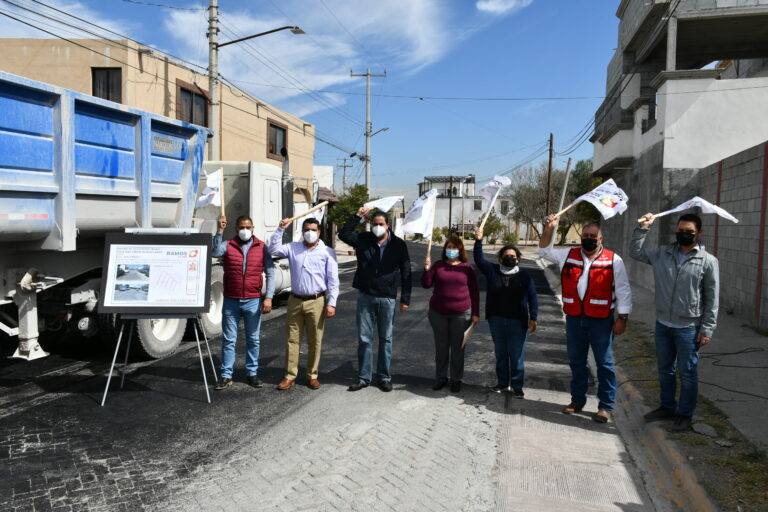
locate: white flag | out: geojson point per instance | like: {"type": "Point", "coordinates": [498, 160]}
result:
{"type": "Point", "coordinates": [608, 198]}
{"type": "Point", "coordinates": [317, 214]}
{"type": "Point", "coordinates": [384, 204]}
{"type": "Point", "coordinates": [212, 191]}
{"type": "Point", "coordinates": [497, 183]}
{"type": "Point", "coordinates": [706, 207]}
{"type": "Point", "coordinates": [421, 216]}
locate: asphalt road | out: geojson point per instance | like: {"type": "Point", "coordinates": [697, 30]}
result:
{"type": "Point", "coordinates": [157, 444]}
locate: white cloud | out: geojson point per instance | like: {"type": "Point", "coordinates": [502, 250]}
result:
{"type": "Point", "coordinates": [11, 28]}
{"type": "Point", "coordinates": [502, 6]}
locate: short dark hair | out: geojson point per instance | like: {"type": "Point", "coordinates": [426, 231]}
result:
{"type": "Point", "coordinates": [592, 225]}
{"type": "Point", "coordinates": [691, 217]}
{"type": "Point", "coordinates": [509, 247]}
{"type": "Point", "coordinates": [456, 241]}
{"type": "Point", "coordinates": [380, 213]}
{"type": "Point", "coordinates": [243, 218]}
{"type": "Point", "coordinates": [312, 220]}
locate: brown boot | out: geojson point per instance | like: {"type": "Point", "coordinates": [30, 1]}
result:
{"type": "Point", "coordinates": [572, 408]}
{"type": "Point", "coordinates": [602, 416]}
{"type": "Point", "coordinates": [285, 384]}
{"type": "Point", "coordinates": [313, 384]}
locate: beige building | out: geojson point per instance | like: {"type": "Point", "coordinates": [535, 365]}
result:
{"type": "Point", "coordinates": [137, 76]}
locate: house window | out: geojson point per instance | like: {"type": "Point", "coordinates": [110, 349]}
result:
{"type": "Point", "coordinates": [276, 140]}
{"type": "Point", "coordinates": [478, 205]}
{"type": "Point", "coordinates": [107, 83]}
{"type": "Point", "coordinates": [191, 104]}
{"type": "Point", "coordinates": [504, 207]}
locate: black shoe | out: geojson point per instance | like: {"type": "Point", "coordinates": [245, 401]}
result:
{"type": "Point", "coordinates": [661, 413]}
{"type": "Point", "coordinates": [498, 388]}
{"type": "Point", "coordinates": [455, 386]}
{"type": "Point", "coordinates": [518, 392]}
{"type": "Point", "coordinates": [254, 381]}
{"type": "Point", "coordinates": [385, 386]}
{"type": "Point", "coordinates": [681, 424]}
{"type": "Point", "coordinates": [440, 384]}
{"type": "Point", "coordinates": [223, 383]}
{"type": "Point", "coordinates": [358, 386]}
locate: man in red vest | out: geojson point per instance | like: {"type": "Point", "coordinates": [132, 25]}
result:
{"type": "Point", "coordinates": [246, 262]}
{"type": "Point", "coordinates": [597, 301]}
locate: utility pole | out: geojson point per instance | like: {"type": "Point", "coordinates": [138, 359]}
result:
{"type": "Point", "coordinates": [213, 77]}
{"type": "Point", "coordinates": [549, 171]}
{"type": "Point", "coordinates": [368, 124]}
{"type": "Point", "coordinates": [344, 168]}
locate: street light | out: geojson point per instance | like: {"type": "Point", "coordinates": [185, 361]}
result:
{"type": "Point", "coordinates": [213, 70]}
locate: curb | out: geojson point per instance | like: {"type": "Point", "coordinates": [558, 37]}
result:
{"type": "Point", "coordinates": [670, 481]}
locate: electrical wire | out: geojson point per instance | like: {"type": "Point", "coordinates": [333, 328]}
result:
{"type": "Point", "coordinates": [361, 45]}
{"type": "Point", "coordinates": [165, 6]}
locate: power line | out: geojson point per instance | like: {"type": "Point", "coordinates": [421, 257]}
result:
{"type": "Point", "coordinates": [361, 45]}
{"type": "Point", "coordinates": [165, 6]}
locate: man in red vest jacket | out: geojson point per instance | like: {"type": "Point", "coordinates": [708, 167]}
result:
{"type": "Point", "coordinates": [246, 262]}
{"type": "Point", "coordinates": [595, 290]}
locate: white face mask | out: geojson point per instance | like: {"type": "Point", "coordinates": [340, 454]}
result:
{"type": "Point", "coordinates": [245, 234]}
{"type": "Point", "coordinates": [310, 236]}
{"type": "Point", "coordinates": [379, 231]}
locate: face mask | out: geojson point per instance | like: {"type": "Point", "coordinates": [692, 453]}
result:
{"type": "Point", "coordinates": [245, 234]}
{"type": "Point", "coordinates": [509, 261]}
{"type": "Point", "coordinates": [589, 244]}
{"type": "Point", "coordinates": [379, 231]}
{"type": "Point", "coordinates": [685, 239]}
{"type": "Point", "coordinates": [452, 254]}
{"type": "Point", "coordinates": [310, 236]}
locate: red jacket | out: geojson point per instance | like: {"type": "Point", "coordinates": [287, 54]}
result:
{"type": "Point", "coordinates": [599, 295]}
{"type": "Point", "coordinates": [237, 285]}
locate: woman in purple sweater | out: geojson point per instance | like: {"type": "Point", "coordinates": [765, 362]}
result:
{"type": "Point", "coordinates": [455, 304]}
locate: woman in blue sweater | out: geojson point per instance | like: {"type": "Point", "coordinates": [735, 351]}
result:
{"type": "Point", "coordinates": [511, 308]}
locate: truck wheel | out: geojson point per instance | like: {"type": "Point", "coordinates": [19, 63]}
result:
{"type": "Point", "coordinates": [160, 338]}
{"type": "Point", "coordinates": [211, 320]}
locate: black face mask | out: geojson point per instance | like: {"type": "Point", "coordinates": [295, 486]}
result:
{"type": "Point", "coordinates": [509, 261]}
{"type": "Point", "coordinates": [685, 239]}
{"type": "Point", "coordinates": [589, 244]}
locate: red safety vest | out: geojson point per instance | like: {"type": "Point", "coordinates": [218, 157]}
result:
{"type": "Point", "coordinates": [599, 295]}
{"type": "Point", "coordinates": [237, 285]}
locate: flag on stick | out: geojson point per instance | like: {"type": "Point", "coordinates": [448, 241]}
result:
{"type": "Point", "coordinates": [608, 198]}
{"type": "Point", "coordinates": [212, 192]}
{"type": "Point", "coordinates": [421, 216]}
{"type": "Point", "coordinates": [384, 204]}
{"type": "Point", "coordinates": [706, 207]}
{"type": "Point", "coordinates": [491, 191]}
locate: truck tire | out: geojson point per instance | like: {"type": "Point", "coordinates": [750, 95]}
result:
{"type": "Point", "coordinates": [160, 338]}
{"type": "Point", "coordinates": [211, 321]}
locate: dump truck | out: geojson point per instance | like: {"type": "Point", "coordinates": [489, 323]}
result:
{"type": "Point", "coordinates": [73, 168]}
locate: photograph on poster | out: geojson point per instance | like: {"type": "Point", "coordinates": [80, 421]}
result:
{"type": "Point", "coordinates": [131, 292]}
{"type": "Point", "coordinates": [134, 273]}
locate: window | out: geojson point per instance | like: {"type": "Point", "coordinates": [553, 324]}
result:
{"type": "Point", "coordinates": [478, 205]}
{"type": "Point", "coordinates": [276, 140]}
{"type": "Point", "coordinates": [107, 83]}
{"type": "Point", "coordinates": [504, 207]}
{"type": "Point", "coordinates": [191, 104]}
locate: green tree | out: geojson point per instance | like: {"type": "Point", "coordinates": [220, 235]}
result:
{"type": "Point", "coordinates": [493, 227]}
{"type": "Point", "coordinates": [348, 205]}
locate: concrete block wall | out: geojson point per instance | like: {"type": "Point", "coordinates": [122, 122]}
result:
{"type": "Point", "coordinates": [737, 245]}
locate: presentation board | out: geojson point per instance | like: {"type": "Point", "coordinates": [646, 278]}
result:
{"type": "Point", "coordinates": [156, 274]}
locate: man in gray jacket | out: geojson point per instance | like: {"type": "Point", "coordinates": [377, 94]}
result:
{"type": "Point", "coordinates": [687, 295]}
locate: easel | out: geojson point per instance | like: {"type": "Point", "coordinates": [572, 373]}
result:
{"type": "Point", "coordinates": [130, 320]}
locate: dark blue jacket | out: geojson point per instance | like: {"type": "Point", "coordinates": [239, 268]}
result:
{"type": "Point", "coordinates": [528, 306]}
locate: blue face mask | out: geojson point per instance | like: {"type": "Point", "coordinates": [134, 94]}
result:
{"type": "Point", "coordinates": [452, 254]}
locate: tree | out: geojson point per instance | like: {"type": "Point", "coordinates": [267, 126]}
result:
{"type": "Point", "coordinates": [493, 227]}
{"type": "Point", "coordinates": [348, 205]}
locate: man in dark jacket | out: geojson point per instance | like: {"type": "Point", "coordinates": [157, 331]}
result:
{"type": "Point", "coordinates": [246, 261]}
{"type": "Point", "coordinates": [379, 254]}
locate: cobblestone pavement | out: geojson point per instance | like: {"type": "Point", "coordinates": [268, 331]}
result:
{"type": "Point", "coordinates": [158, 446]}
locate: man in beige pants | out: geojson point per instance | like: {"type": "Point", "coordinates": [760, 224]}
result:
{"type": "Point", "coordinates": [314, 290]}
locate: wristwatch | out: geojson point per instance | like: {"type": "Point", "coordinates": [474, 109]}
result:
{"type": "Point", "coordinates": [623, 317]}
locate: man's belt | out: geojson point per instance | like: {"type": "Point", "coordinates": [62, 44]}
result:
{"type": "Point", "coordinates": [308, 297]}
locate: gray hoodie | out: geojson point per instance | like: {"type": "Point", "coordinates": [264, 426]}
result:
{"type": "Point", "coordinates": [687, 294]}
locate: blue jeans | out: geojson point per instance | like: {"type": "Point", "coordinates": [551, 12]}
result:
{"type": "Point", "coordinates": [509, 338]}
{"type": "Point", "coordinates": [678, 346]}
{"type": "Point", "coordinates": [374, 314]}
{"type": "Point", "coordinates": [582, 333]}
{"type": "Point", "coordinates": [250, 311]}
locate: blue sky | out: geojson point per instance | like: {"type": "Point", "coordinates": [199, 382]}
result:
{"type": "Point", "coordinates": [430, 48]}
